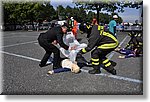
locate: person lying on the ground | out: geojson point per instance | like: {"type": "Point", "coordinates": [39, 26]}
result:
{"type": "Point", "coordinates": [67, 65]}
{"type": "Point", "coordinates": [127, 53]}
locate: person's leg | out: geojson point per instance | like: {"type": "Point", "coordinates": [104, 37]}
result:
{"type": "Point", "coordinates": [105, 62]}
{"type": "Point", "coordinates": [50, 48]}
{"type": "Point", "coordinates": [45, 59]}
{"type": "Point", "coordinates": [125, 51]}
{"type": "Point", "coordinates": [95, 62]}
{"type": "Point", "coordinates": [43, 44]}
{"type": "Point", "coordinates": [57, 59]}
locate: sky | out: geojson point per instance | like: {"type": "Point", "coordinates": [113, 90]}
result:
{"type": "Point", "coordinates": [129, 15]}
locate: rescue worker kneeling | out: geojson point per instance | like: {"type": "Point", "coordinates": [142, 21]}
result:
{"type": "Point", "coordinates": [103, 43]}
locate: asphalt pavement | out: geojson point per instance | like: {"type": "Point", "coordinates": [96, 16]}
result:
{"type": "Point", "coordinates": [22, 75]}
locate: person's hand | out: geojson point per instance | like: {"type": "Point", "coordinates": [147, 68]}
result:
{"type": "Point", "coordinates": [73, 48]}
{"type": "Point", "coordinates": [54, 42]}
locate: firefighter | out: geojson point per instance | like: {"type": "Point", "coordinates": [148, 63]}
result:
{"type": "Point", "coordinates": [136, 40]}
{"type": "Point", "coordinates": [101, 43]}
{"type": "Point", "coordinates": [46, 41]}
{"type": "Point", "coordinates": [88, 29]}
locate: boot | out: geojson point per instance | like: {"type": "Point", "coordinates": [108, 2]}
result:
{"type": "Point", "coordinates": [113, 63]}
{"type": "Point", "coordinates": [42, 65]}
{"type": "Point", "coordinates": [94, 71]}
{"type": "Point", "coordinates": [110, 69]}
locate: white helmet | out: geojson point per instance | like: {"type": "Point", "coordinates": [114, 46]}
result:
{"type": "Point", "coordinates": [71, 17]}
{"type": "Point", "coordinates": [115, 16]}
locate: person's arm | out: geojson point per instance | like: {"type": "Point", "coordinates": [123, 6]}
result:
{"type": "Point", "coordinates": [115, 24]}
{"type": "Point", "coordinates": [60, 40]}
{"type": "Point", "coordinates": [92, 40]}
{"type": "Point", "coordinates": [115, 30]}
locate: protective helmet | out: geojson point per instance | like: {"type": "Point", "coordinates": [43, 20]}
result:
{"type": "Point", "coordinates": [115, 16]}
{"type": "Point", "coordinates": [71, 17]}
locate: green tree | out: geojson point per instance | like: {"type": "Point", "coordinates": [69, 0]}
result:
{"type": "Point", "coordinates": [107, 5]}
{"type": "Point", "coordinates": [25, 12]}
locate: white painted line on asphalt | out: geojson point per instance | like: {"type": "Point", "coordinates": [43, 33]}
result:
{"type": "Point", "coordinates": [116, 77]}
{"type": "Point", "coordinates": [21, 56]}
{"type": "Point", "coordinates": [105, 75]}
{"type": "Point", "coordinates": [36, 43]}
{"type": "Point", "coordinates": [19, 44]}
{"type": "Point", "coordinates": [123, 40]}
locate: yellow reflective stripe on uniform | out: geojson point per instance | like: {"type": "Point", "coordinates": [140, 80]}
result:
{"type": "Point", "coordinates": [83, 50]}
{"type": "Point", "coordinates": [140, 43]}
{"type": "Point", "coordinates": [102, 27]}
{"type": "Point", "coordinates": [88, 27]}
{"type": "Point", "coordinates": [94, 59]}
{"type": "Point", "coordinates": [129, 34]}
{"type": "Point", "coordinates": [101, 32]}
{"type": "Point", "coordinates": [105, 61]}
{"type": "Point", "coordinates": [111, 36]}
{"type": "Point", "coordinates": [108, 46]}
{"type": "Point", "coordinates": [99, 27]}
{"type": "Point", "coordinates": [108, 64]}
{"type": "Point", "coordinates": [93, 63]}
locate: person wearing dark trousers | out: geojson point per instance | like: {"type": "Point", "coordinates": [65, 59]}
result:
{"type": "Point", "coordinates": [46, 41]}
{"type": "Point", "coordinates": [101, 43]}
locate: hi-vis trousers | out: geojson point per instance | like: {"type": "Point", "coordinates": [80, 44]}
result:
{"type": "Point", "coordinates": [99, 58]}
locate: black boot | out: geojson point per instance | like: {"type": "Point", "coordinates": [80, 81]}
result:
{"type": "Point", "coordinates": [113, 63]}
{"type": "Point", "coordinates": [42, 65]}
{"type": "Point", "coordinates": [111, 70]}
{"type": "Point", "coordinates": [94, 71]}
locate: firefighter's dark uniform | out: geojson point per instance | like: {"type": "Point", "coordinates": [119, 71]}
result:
{"type": "Point", "coordinates": [136, 40]}
{"type": "Point", "coordinates": [45, 40]}
{"type": "Point", "coordinates": [88, 30]}
{"type": "Point", "coordinates": [103, 43]}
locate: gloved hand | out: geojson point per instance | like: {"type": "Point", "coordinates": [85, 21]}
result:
{"type": "Point", "coordinates": [80, 52]}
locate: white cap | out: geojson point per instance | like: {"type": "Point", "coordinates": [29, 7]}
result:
{"type": "Point", "coordinates": [115, 16]}
{"type": "Point", "coordinates": [71, 18]}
